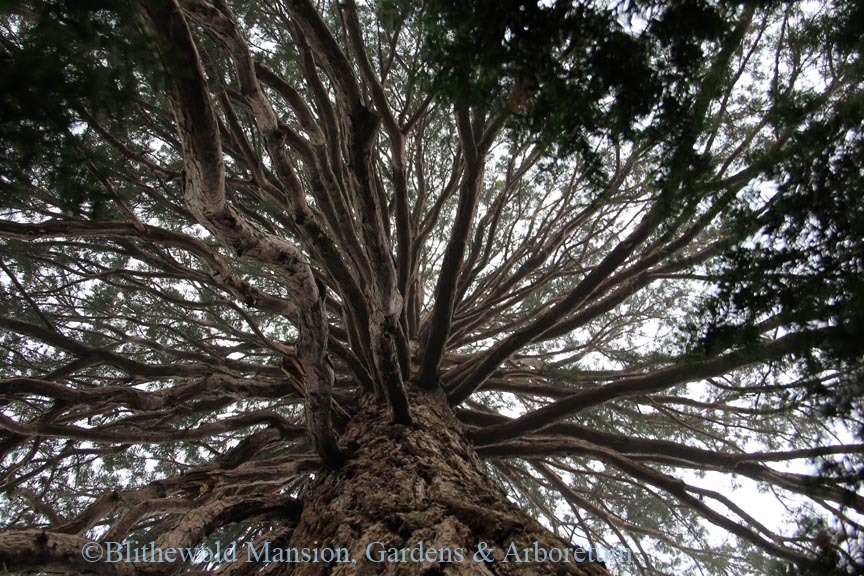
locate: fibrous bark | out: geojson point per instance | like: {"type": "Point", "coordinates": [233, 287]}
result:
{"type": "Point", "coordinates": [404, 485]}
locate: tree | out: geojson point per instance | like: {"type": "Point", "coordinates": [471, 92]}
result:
{"type": "Point", "coordinates": [322, 275]}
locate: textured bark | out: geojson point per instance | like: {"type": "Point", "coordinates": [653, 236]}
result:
{"type": "Point", "coordinates": [403, 485]}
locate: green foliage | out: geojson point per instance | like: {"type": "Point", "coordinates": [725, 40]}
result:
{"type": "Point", "coordinates": [69, 56]}
{"type": "Point", "coordinates": [803, 267]}
{"type": "Point", "coordinates": [570, 71]}
{"type": "Point", "coordinates": [828, 562]}
{"type": "Point", "coordinates": [795, 255]}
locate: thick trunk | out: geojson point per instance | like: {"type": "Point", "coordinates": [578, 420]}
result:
{"type": "Point", "coordinates": [405, 485]}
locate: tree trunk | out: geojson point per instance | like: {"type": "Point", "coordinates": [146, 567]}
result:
{"type": "Point", "coordinates": [405, 485]}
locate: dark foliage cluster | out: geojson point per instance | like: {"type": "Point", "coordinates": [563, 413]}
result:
{"type": "Point", "coordinates": [69, 57]}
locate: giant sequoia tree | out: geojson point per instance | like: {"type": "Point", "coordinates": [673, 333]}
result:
{"type": "Point", "coordinates": [328, 273]}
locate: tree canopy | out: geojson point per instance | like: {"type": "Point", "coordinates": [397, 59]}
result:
{"type": "Point", "coordinates": [625, 241]}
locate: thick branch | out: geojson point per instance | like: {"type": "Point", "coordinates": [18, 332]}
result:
{"type": "Point", "coordinates": [652, 382]}
{"type": "Point", "coordinates": [491, 359]}
{"type": "Point", "coordinates": [448, 277]}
